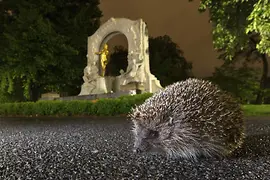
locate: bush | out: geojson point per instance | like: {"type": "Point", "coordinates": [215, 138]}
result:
{"type": "Point", "coordinates": [100, 107]}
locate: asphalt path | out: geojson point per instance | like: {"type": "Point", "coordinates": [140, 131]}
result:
{"type": "Point", "coordinates": [85, 148]}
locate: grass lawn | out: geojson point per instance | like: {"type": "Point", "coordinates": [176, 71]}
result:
{"type": "Point", "coordinates": [257, 110]}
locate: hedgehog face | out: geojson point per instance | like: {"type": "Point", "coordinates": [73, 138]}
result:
{"type": "Point", "coordinates": [142, 140]}
{"type": "Point", "coordinates": [150, 138]}
{"type": "Point", "coordinates": [151, 131]}
{"type": "Point", "coordinates": [145, 139]}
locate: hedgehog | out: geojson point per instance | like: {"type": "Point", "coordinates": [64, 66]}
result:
{"type": "Point", "coordinates": [188, 119]}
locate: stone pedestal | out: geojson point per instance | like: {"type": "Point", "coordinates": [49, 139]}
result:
{"type": "Point", "coordinates": [95, 87]}
{"type": "Point", "coordinates": [86, 89]}
{"type": "Point", "coordinates": [101, 86]}
{"type": "Point", "coordinates": [49, 96]}
{"type": "Point", "coordinates": [116, 84]}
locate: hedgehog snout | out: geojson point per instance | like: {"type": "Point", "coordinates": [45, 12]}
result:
{"type": "Point", "coordinates": [146, 141]}
{"type": "Point", "coordinates": [140, 145]}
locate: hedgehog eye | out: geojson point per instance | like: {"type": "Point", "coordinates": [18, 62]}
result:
{"type": "Point", "coordinates": [152, 134]}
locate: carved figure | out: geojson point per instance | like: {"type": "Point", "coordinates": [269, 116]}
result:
{"type": "Point", "coordinates": [103, 59]}
{"type": "Point", "coordinates": [90, 72]}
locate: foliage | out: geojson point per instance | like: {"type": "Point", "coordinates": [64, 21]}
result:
{"type": "Point", "coordinates": [40, 42]}
{"type": "Point", "coordinates": [241, 28]}
{"type": "Point", "coordinates": [5, 97]}
{"type": "Point", "coordinates": [259, 22]}
{"type": "Point", "coordinates": [236, 22]}
{"type": "Point", "coordinates": [101, 107]}
{"type": "Point", "coordinates": [14, 96]}
{"type": "Point", "coordinates": [242, 81]}
{"type": "Point", "coordinates": [167, 61]}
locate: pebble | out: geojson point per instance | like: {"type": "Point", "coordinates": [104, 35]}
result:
{"type": "Point", "coordinates": [81, 148]}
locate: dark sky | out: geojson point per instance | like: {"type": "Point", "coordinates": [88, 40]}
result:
{"type": "Point", "coordinates": [177, 18]}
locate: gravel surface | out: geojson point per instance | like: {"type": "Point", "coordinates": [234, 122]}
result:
{"type": "Point", "coordinates": [80, 148]}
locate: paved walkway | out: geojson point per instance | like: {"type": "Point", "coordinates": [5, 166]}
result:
{"type": "Point", "coordinates": [82, 149]}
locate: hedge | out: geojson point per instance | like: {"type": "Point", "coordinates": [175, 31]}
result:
{"type": "Point", "coordinates": [100, 107]}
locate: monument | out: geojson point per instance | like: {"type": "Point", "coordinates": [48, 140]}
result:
{"type": "Point", "coordinates": [136, 77]}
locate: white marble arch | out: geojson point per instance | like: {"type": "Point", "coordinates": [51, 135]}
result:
{"type": "Point", "coordinates": [138, 73]}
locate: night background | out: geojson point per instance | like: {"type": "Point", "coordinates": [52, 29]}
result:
{"type": "Point", "coordinates": [41, 41]}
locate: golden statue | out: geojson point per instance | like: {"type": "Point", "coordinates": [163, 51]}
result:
{"type": "Point", "coordinates": [103, 59]}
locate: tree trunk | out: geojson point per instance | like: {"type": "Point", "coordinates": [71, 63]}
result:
{"type": "Point", "coordinates": [34, 93]}
{"type": "Point", "coordinates": [260, 95]}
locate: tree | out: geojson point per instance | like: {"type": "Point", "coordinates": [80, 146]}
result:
{"type": "Point", "coordinates": [167, 62]}
{"type": "Point", "coordinates": [43, 44]}
{"type": "Point", "coordinates": [240, 80]}
{"type": "Point", "coordinates": [241, 28]}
